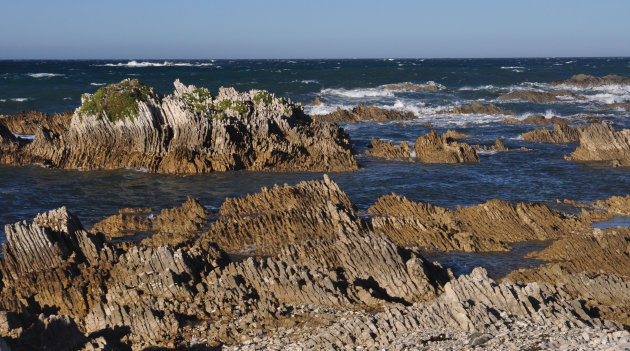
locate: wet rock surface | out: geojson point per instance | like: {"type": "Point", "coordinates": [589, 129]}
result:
{"type": "Point", "coordinates": [587, 81]}
{"type": "Point", "coordinates": [364, 113]}
{"type": "Point", "coordinates": [385, 149]}
{"type": "Point", "coordinates": [561, 133]}
{"type": "Point", "coordinates": [538, 97]}
{"type": "Point", "coordinates": [435, 148]}
{"type": "Point", "coordinates": [190, 132]}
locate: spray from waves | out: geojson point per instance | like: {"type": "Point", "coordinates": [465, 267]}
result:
{"type": "Point", "coordinates": [517, 69]}
{"type": "Point", "coordinates": [359, 93]}
{"type": "Point", "coordinates": [308, 81]}
{"type": "Point", "coordinates": [97, 84]}
{"type": "Point", "coordinates": [44, 75]}
{"type": "Point", "coordinates": [20, 99]}
{"type": "Point", "coordinates": [136, 64]}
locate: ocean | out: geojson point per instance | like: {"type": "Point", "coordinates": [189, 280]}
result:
{"type": "Point", "coordinates": [538, 174]}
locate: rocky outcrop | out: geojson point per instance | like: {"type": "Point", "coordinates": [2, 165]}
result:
{"type": "Point", "coordinates": [190, 131]}
{"type": "Point", "coordinates": [538, 120]}
{"type": "Point", "coordinates": [364, 113]}
{"type": "Point", "coordinates": [491, 226]}
{"type": "Point", "coordinates": [601, 142]}
{"type": "Point", "coordinates": [586, 81]}
{"type": "Point", "coordinates": [27, 123]}
{"type": "Point", "coordinates": [9, 146]}
{"type": "Point", "coordinates": [453, 134]}
{"type": "Point", "coordinates": [498, 146]}
{"type": "Point", "coordinates": [411, 86]}
{"type": "Point", "coordinates": [435, 148]}
{"type": "Point", "coordinates": [477, 108]}
{"type": "Point", "coordinates": [538, 97]}
{"type": "Point", "coordinates": [386, 149]}
{"type": "Point", "coordinates": [618, 105]}
{"type": "Point", "coordinates": [561, 133]}
{"type": "Point", "coordinates": [128, 221]}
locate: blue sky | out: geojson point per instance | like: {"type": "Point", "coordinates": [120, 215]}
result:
{"type": "Point", "coordinates": [312, 29]}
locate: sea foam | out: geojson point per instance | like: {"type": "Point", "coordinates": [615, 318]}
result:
{"type": "Point", "coordinates": [44, 75]}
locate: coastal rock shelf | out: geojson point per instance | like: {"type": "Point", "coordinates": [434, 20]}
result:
{"type": "Point", "coordinates": [190, 131]}
{"type": "Point", "coordinates": [364, 113]}
{"type": "Point", "coordinates": [299, 265]}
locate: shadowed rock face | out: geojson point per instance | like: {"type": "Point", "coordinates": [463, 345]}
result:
{"type": "Point", "coordinates": [600, 142]}
{"type": "Point", "coordinates": [477, 108]}
{"type": "Point", "coordinates": [192, 131]}
{"type": "Point", "coordinates": [561, 133]}
{"type": "Point", "coordinates": [384, 149]}
{"type": "Point", "coordinates": [586, 81]}
{"type": "Point", "coordinates": [364, 113]}
{"type": "Point", "coordinates": [27, 123]}
{"type": "Point", "coordinates": [435, 148]}
{"type": "Point", "coordinates": [537, 97]}
{"type": "Point", "coordinates": [486, 227]}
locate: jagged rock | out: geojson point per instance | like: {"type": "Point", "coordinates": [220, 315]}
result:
{"type": "Point", "coordinates": [316, 102]}
{"type": "Point", "coordinates": [538, 120]}
{"type": "Point", "coordinates": [498, 146]}
{"type": "Point", "coordinates": [561, 133]}
{"type": "Point", "coordinates": [477, 108]}
{"type": "Point", "coordinates": [128, 221]}
{"type": "Point", "coordinates": [27, 123]}
{"type": "Point", "coordinates": [9, 146]}
{"type": "Point", "coordinates": [618, 205]}
{"type": "Point", "coordinates": [53, 332]}
{"type": "Point", "coordinates": [538, 97]}
{"type": "Point", "coordinates": [278, 216]}
{"type": "Point", "coordinates": [622, 105]}
{"type": "Point", "coordinates": [600, 142]}
{"type": "Point", "coordinates": [411, 86]}
{"type": "Point", "coordinates": [190, 131]}
{"type": "Point", "coordinates": [586, 81]}
{"type": "Point", "coordinates": [435, 148]}
{"type": "Point", "coordinates": [486, 227]}
{"type": "Point", "coordinates": [364, 113]}
{"type": "Point", "coordinates": [453, 134]}
{"type": "Point", "coordinates": [385, 149]}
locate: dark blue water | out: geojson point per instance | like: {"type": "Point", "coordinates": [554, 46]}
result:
{"type": "Point", "coordinates": [539, 174]}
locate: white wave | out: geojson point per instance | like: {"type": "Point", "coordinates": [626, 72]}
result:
{"type": "Point", "coordinates": [487, 152]}
{"type": "Point", "coordinates": [558, 64]}
{"type": "Point", "coordinates": [24, 136]}
{"type": "Point", "coordinates": [359, 93]}
{"type": "Point", "coordinates": [309, 81]}
{"type": "Point", "coordinates": [481, 87]}
{"type": "Point", "coordinates": [428, 83]}
{"type": "Point", "coordinates": [20, 99]}
{"type": "Point", "coordinates": [44, 75]}
{"type": "Point", "coordinates": [569, 62]}
{"type": "Point", "coordinates": [3, 100]}
{"type": "Point", "coordinates": [67, 98]}
{"type": "Point", "coordinates": [136, 64]}
{"type": "Point", "coordinates": [97, 84]}
{"type": "Point", "coordinates": [324, 109]}
{"type": "Point", "coordinates": [512, 67]}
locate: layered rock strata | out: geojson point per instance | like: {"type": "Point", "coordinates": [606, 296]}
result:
{"type": "Point", "coordinates": [477, 108]}
{"type": "Point", "coordinates": [587, 81]}
{"type": "Point", "coordinates": [385, 149]}
{"type": "Point", "coordinates": [190, 131]}
{"type": "Point", "coordinates": [601, 142]}
{"type": "Point", "coordinates": [538, 120]}
{"type": "Point", "coordinates": [411, 86]}
{"type": "Point", "coordinates": [561, 133]}
{"type": "Point", "coordinates": [27, 123]}
{"type": "Point", "coordinates": [538, 97]}
{"type": "Point", "coordinates": [435, 148]}
{"type": "Point", "coordinates": [364, 113]}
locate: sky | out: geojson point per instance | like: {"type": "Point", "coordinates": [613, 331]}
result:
{"type": "Point", "coordinates": [239, 29]}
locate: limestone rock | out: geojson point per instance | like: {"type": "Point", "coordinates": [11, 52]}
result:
{"type": "Point", "coordinates": [537, 97]}
{"type": "Point", "coordinates": [586, 81]}
{"type": "Point", "coordinates": [477, 108]}
{"type": "Point", "coordinates": [383, 149]}
{"type": "Point", "coordinates": [435, 148]}
{"type": "Point", "coordinates": [191, 131]}
{"type": "Point", "coordinates": [600, 142]}
{"type": "Point", "coordinates": [561, 133]}
{"type": "Point", "coordinates": [364, 113]}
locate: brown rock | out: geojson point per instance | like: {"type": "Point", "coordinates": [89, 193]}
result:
{"type": "Point", "coordinates": [316, 102]}
{"type": "Point", "coordinates": [411, 86]}
{"type": "Point", "coordinates": [622, 105]}
{"type": "Point", "coordinates": [27, 123]}
{"type": "Point", "coordinates": [435, 148]}
{"type": "Point", "coordinates": [561, 133]}
{"type": "Point", "coordinates": [477, 108]}
{"type": "Point", "coordinates": [126, 222]}
{"type": "Point", "coordinates": [379, 148]}
{"type": "Point", "coordinates": [600, 142]}
{"type": "Point", "coordinates": [498, 146]}
{"type": "Point", "coordinates": [453, 134]}
{"type": "Point", "coordinates": [364, 113]}
{"type": "Point", "coordinates": [586, 81]}
{"type": "Point", "coordinates": [537, 97]}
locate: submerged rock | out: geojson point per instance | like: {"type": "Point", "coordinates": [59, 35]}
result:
{"type": "Point", "coordinates": [27, 123]}
{"type": "Point", "coordinates": [383, 149]}
{"type": "Point", "coordinates": [435, 148]}
{"type": "Point", "coordinates": [561, 133]}
{"type": "Point", "coordinates": [190, 131]}
{"type": "Point", "coordinates": [586, 81]}
{"type": "Point", "coordinates": [601, 142]}
{"type": "Point", "coordinates": [364, 113]}
{"type": "Point", "coordinates": [477, 108]}
{"type": "Point", "coordinates": [538, 97]}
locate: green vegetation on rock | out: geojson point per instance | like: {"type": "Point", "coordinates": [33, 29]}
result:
{"type": "Point", "coordinates": [263, 96]}
{"type": "Point", "coordinates": [197, 100]}
{"type": "Point", "coordinates": [117, 101]}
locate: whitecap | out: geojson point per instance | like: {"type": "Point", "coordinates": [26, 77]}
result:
{"type": "Point", "coordinates": [136, 64]}
{"type": "Point", "coordinates": [44, 75]}
{"type": "Point", "coordinates": [359, 93]}
{"type": "Point", "coordinates": [323, 109]}
{"type": "Point", "coordinates": [569, 62]}
{"type": "Point", "coordinates": [97, 84]}
{"type": "Point", "coordinates": [309, 81]}
{"type": "Point", "coordinates": [20, 99]}
{"type": "Point", "coordinates": [67, 98]}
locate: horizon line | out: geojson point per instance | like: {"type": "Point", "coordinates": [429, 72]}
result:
{"type": "Point", "coordinates": [314, 58]}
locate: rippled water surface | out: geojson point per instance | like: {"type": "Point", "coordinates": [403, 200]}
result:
{"type": "Point", "coordinates": [538, 174]}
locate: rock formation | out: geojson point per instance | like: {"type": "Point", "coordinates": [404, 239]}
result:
{"type": "Point", "coordinates": [621, 105]}
{"type": "Point", "coordinates": [586, 81]}
{"type": "Point", "coordinates": [477, 108]}
{"type": "Point", "coordinates": [411, 86]}
{"type": "Point", "coordinates": [538, 97]}
{"type": "Point", "coordinates": [364, 113]}
{"type": "Point", "coordinates": [486, 227]}
{"type": "Point", "coordinates": [190, 131]}
{"type": "Point", "coordinates": [384, 149]}
{"type": "Point", "coordinates": [453, 134]}
{"type": "Point", "coordinates": [538, 120]}
{"type": "Point", "coordinates": [561, 133]}
{"type": "Point", "coordinates": [435, 148]}
{"type": "Point", "coordinates": [27, 123]}
{"type": "Point", "coordinates": [601, 142]}
{"type": "Point", "coordinates": [498, 146]}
